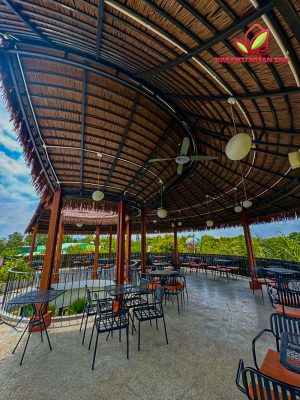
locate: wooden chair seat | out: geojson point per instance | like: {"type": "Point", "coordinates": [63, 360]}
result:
{"type": "Point", "coordinates": [272, 367]}
{"type": "Point", "coordinates": [288, 311]}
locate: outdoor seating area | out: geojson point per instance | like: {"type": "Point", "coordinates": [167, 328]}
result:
{"type": "Point", "coordinates": [148, 129]}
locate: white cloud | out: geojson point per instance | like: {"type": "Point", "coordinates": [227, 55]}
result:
{"type": "Point", "coordinates": [10, 142]}
{"type": "Point", "coordinates": [5, 123]}
{"type": "Point", "coordinates": [12, 166]}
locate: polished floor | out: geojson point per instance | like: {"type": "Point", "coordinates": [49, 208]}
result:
{"type": "Point", "coordinates": [206, 342]}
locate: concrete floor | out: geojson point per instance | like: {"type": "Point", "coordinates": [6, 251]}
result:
{"type": "Point", "coordinates": [205, 344]}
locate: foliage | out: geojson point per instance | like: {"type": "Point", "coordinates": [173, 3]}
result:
{"type": "Point", "coordinates": [77, 249]}
{"type": "Point", "coordinates": [19, 265]}
{"type": "Point", "coordinates": [77, 306]}
{"type": "Point", "coordinates": [53, 309]}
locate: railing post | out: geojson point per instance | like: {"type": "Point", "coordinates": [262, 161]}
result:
{"type": "Point", "coordinates": [176, 256]}
{"type": "Point", "coordinates": [128, 250]}
{"type": "Point", "coordinates": [55, 275]}
{"type": "Point", "coordinates": [249, 243]}
{"type": "Point", "coordinates": [110, 244]}
{"type": "Point", "coordinates": [96, 255]}
{"type": "Point", "coordinates": [120, 242]}
{"type": "Point", "coordinates": [33, 240]}
{"type": "Point", "coordinates": [143, 241]}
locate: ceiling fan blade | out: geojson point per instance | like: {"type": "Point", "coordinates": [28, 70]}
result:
{"type": "Point", "coordinates": [179, 169]}
{"type": "Point", "coordinates": [160, 159]}
{"type": "Point", "coordinates": [198, 157]}
{"type": "Point", "coordinates": [185, 146]}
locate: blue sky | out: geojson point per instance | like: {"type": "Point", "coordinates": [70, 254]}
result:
{"type": "Point", "coordinates": [18, 199]}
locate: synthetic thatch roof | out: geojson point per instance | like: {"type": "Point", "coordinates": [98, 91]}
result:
{"type": "Point", "coordinates": [131, 79]}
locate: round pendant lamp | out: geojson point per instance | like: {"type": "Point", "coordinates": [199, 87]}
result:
{"type": "Point", "coordinates": [161, 212]}
{"type": "Point", "coordinates": [209, 223]}
{"type": "Point", "coordinates": [247, 203]}
{"type": "Point", "coordinates": [238, 146]}
{"type": "Point", "coordinates": [98, 195]}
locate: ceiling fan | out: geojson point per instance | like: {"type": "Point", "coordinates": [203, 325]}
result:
{"type": "Point", "coordinates": [183, 158]}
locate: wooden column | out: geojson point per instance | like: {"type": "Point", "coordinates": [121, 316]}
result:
{"type": "Point", "coordinates": [128, 250]}
{"type": "Point", "coordinates": [176, 256]}
{"type": "Point", "coordinates": [110, 244]}
{"type": "Point", "coordinates": [60, 240]}
{"type": "Point", "coordinates": [96, 255]}
{"type": "Point", "coordinates": [120, 243]}
{"type": "Point", "coordinates": [143, 241]}
{"type": "Point", "coordinates": [33, 240]}
{"type": "Point", "coordinates": [48, 264]}
{"type": "Point", "coordinates": [249, 244]}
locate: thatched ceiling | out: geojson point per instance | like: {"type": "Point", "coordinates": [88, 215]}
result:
{"type": "Point", "coordinates": [130, 79]}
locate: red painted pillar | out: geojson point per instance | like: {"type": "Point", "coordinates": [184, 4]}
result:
{"type": "Point", "coordinates": [128, 249]}
{"type": "Point", "coordinates": [110, 243]}
{"type": "Point", "coordinates": [176, 255]}
{"type": "Point", "coordinates": [55, 276]}
{"type": "Point", "coordinates": [120, 243]}
{"type": "Point", "coordinates": [96, 255]}
{"type": "Point", "coordinates": [51, 241]}
{"type": "Point", "coordinates": [143, 241]}
{"type": "Point", "coordinates": [249, 244]}
{"type": "Point", "coordinates": [33, 240]}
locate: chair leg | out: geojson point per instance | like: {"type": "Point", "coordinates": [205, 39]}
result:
{"type": "Point", "coordinates": [139, 337]}
{"type": "Point", "coordinates": [127, 340]}
{"type": "Point", "coordinates": [165, 329]}
{"type": "Point", "coordinates": [178, 304]}
{"type": "Point", "coordinates": [20, 338]}
{"type": "Point", "coordinates": [91, 338]}
{"type": "Point", "coordinates": [156, 324]}
{"type": "Point", "coordinates": [85, 326]}
{"type": "Point", "coordinates": [24, 351]}
{"type": "Point", "coordinates": [46, 331]}
{"type": "Point", "coordinates": [95, 350]}
{"type": "Point", "coordinates": [82, 320]}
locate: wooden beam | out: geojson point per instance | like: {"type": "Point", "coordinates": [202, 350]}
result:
{"type": "Point", "coordinates": [121, 243]}
{"type": "Point", "coordinates": [110, 244]}
{"type": "Point", "coordinates": [96, 255]}
{"type": "Point", "coordinates": [176, 255]}
{"type": "Point", "coordinates": [33, 240]}
{"type": "Point", "coordinates": [128, 276]}
{"type": "Point", "coordinates": [248, 239]}
{"type": "Point", "coordinates": [60, 240]}
{"type": "Point", "coordinates": [292, 19]}
{"type": "Point", "coordinates": [51, 241]}
{"type": "Point", "coordinates": [82, 127]}
{"type": "Point", "coordinates": [143, 241]}
{"type": "Point", "coordinates": [99, 26]}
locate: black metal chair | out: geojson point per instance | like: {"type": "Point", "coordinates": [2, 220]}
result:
{"type": "Point", "coordinates": [285, 301]}
{"type": "Point", "coordinates": [278, 325]}
{"type": "Point", "coordinates": [90, 309]}
{"type": "Point", "coordinates": [107, 320]}
{"type": "Point", "coordinates": [151, 311]}
{"type": "Point", "coordinates": [173, 288]}
{"type": "Point", "coordinates": [257, 386]}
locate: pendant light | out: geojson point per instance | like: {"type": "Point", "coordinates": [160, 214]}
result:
{"type": "Point", "coordinates": [79, 225]}
{"type": "Point", "coordinates": [246, 203]}
{"type": "Point", "coordinates": [209, 222]}
{"type": "Point", "coordinates": [237, 207]}
{"type": "Point", "coordinates": [98, 195]}
{"type": "Point", "coordinates": [179, 223]}
{"type": "Point", "coordinates": [240, 144]}
{"type": "Point", "coordinates": [161, 212]}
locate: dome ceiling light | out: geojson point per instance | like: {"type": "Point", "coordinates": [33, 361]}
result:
{"type": "Point", "coordinates": [98, 195]}
{"type": "Point", "coordinates": [209, 222]}
{"type": "Point", "coordinates": [239, 146]}
{"type": "Point", "coordinates": [161, 212]}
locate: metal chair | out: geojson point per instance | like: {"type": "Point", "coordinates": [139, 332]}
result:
{"type": "Point", "coordinates": [278, 325]}
{"type": "Point", "coordinates": [257, 386]}
{"type": "Point", "coordinates": [90, 309]}
{"type": "Point", "coordinates": [285, 301]}
{"type": "Point", "coordinates": [174, 289]}
{"type": "Point", "coordinates": [151, 311]}
{"type": "Point", "coordinates": [108, 320]}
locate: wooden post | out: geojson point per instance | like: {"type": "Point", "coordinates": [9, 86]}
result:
{"type": "Point", "coordinates": [249, 245]}
{"type": "Point", "coordinates": [120, 243]}
{"type": "Point", "coordinates": [176, 256]}
{"type": "Point", "coordinates": [33, 240]}
{"type": "Point", "coordinates": [96, 255]}
{"type": "Point", "coordinates": [110, 244]}
{"type": "Point", "coordinates": [143, 241]}
{"type": "Point", "coordinates": [51, 241]}
{"type": "Point", "coordinates": [128, 250]}
{"type": "Point", "coordinates": [61, 232]}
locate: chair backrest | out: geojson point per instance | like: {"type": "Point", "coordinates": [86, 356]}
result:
{"type": "Point", "coordinates": [288, 298]}
{"type": "Point", "coordinates": [258, 386]}
{"type": "Point", "coordinates": [159, 294]}
{"type": "Point", "coordinates": [93, 295]}
{"type": "Point", "coordinates": [104, 306]}
{"type": "Point", "coordinates": [281, 323]}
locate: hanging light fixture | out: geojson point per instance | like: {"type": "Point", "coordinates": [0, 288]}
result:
{"type": "Point", "coordinates": [173, 225]}
{"type": "Point", "coordinates": [161, 212]}
{"type": "Point", "coordinates": [246, 203]}
{"type": "Point", "coordinates": [209, 222]}
{"type": "Point", "coordinates": [79, 225]}
{"type": "Point", "coordinates": [98, 195]}
{"type": "Point", "coordinates": [240, 144]}
{"type": "Point", "coordinates": [179, 223]}
{"type": "Point", "coordinates": [237, 207]}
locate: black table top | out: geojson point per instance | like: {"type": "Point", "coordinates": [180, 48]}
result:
{"type": "Point", "coordinates": [164, 272]}
{"type": "Point", "coordinates": [37, 296]}
{"type": "Point", "coordinates": [124, 289]}
{"type": "Point", "coordinates": [281, 271]}
{"type": "Point", "coordinates": [290, 351]}
{"type": "Point", "coordinates": [294, 285]}
{"type": "Point", "coordinates": [221, 260]}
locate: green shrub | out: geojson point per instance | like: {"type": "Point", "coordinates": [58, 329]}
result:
{"type": "Point", "coordinates": [18, 265]}
{"type": "Point", "coordinates": [77, 306]}
{"type": "Point", "coordinates": [53, 309]}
